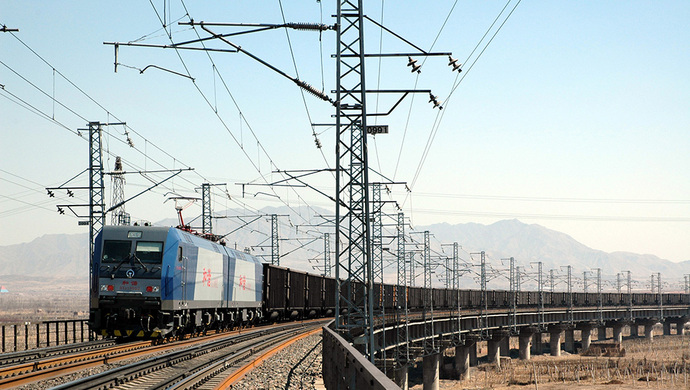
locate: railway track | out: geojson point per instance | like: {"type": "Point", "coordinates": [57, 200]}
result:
{"type": "Point", "coordinates": [40, 368]}
{"type": "Point", "coordinates": [42, 353]}
{"type": "Point", "coordinates": [198, 366]}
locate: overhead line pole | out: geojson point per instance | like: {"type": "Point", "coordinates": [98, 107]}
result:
{"type": "Point", "coordinates": [327, 254]}
{"type": "Point", "coordinates": [377, 264]}
{"type": "Point", "coordinates": [355, 287]}
{"type": "Point", "coordinates": [428, 313]}
{"type": "Point", "coordinates": [402, 350]}
{"type": "Point", "coordinates": [275, 249]}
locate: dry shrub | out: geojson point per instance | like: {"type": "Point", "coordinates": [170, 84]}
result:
{"type": "Point", "coordinates": [645, 379]}
{"type": "Point", "coordinates": [592, 351]}
{"type": "Point", "coordinates": [515, 382]}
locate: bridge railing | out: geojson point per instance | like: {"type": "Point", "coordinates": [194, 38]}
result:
{"type": "Point", "coordinates": [344, 367]}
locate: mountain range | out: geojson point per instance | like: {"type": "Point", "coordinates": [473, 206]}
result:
{"type": "Point", "coordinates": [65, 256]}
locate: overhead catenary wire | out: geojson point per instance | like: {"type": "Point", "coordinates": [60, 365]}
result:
{"type": "Point", "coordinates": [301, 90]}
{"type": "Point", "coordinates": [46, 116]}
{"type": "Point", "coordinates": [459, 79]}
{"type": "Point", "coordinates": [39, 112]}
{"type": "Point", "coordinates": [407, 121]}
{"type": "Point", "coordinates": [271, 162]}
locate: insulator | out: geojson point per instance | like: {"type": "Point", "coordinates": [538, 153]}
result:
{"type": "Point", "coordinates": [432, 98]}
{"type": "Point", "coordinates": [457, 67]}
{"type": "Point", "coordinates": [309, 26]}
{"type": "Point", "coordinates": [51, 193]}
{"type": "Point", "coordinates": [410, 61]}
{"type": "Point", "coordinates": [118, 163]}
{"type": "Point", "coordinates": [451, 61]}
{"type": "Point", "coordinates": [313, 91]}
{"type": "Point", "coordinates": [317, 142]}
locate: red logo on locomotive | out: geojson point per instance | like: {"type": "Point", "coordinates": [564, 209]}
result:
{"type": "Point", "coordinates": [207, 277]}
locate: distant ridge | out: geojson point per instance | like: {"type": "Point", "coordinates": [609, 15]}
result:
{"type": "Point", "coordinates": [532, 242]}
{"type": "Point", "coordinates": [65, 256]}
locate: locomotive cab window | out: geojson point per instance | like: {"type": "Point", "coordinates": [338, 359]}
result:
{"type": "Point", "coordinates": [150, 252]}
{"type": "Point", "coordinates": [116, 250]}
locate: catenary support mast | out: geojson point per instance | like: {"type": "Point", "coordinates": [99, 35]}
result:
{"type": "Point", "coordinates": [353, 250]}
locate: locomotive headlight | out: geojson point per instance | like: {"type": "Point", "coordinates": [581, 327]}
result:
{"type": "Point", "coordinates": [104, 287]}
{"type": "Point", "coordinates": [154, 289]}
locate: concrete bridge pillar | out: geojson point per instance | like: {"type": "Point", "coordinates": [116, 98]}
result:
{"type": "Point", "coordinates": [430, 373]}
{"type": "Point", "coordinates": [618, 333]}
{"type": "Point", "coordinates": [474, 361]}
{"type": "Point", "coordinates": [586, 338]}
{"type": "Point", "coordinates": [601, 333]}
{"type": "Point", "coordinates": [569, 340]}
{"type": "Point", "coordinates": [493, 356]}
{"type": "Point", "coordinates": [401, 377]}
{"type": "Point", "coordinates": [634, 329]}
{"type": "Point", "coordinates": [537, 347]}
{"type": "Point", "coordinates": [648, 331]}
{"type": "Point", "coordinates": [667, 328]}
{"type": "Point", "coordinates": [525, 342]}
{"type": "Point", "coordinates": [555, 340]}
{"type": "Point", "coordinates": [505, 346]}
{"type": "Point", "coordinates": [462, 359]}
{"type": "Point", "coordinates": [680, 327]}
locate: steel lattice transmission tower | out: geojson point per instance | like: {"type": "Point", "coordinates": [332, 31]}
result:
{"type": "Point", "coordinates": [352, 244]}
{"type": "Point", "coordinates": [119, 216]}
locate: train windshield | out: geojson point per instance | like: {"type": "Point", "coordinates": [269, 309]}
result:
{"type": "Point", "coordinates": [150, 252]}
{"type": "Point", "coordinates": [116, 251]}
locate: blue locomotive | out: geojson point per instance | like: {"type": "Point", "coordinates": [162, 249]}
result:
{"type": "Point", "coordinates": [162, 281]}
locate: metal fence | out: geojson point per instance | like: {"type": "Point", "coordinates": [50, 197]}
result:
{"type": "Point", "coordinates": [28, 335]}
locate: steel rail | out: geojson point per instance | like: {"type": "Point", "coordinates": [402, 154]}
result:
{"type": "Point", "coordinates": [142, 369]}
{"type": "Point", "coordinates": [9, 358]}
{"type": "Point", "coordinates": [215, 369]}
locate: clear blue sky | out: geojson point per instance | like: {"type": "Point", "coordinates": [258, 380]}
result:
{"type": "Point", "coordinates": [575, 117]}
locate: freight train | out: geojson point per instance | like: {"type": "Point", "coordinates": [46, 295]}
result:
{"type": "Point", "coordinates": [157, 282]}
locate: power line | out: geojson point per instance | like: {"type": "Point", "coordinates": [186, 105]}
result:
{"type": "Point", "coordinates": [459, 79]}
{"type": "Point", "coordinates": [409, 113]}
{"type": "Point", "coordinates": [552, 199]}
{"type": "Point", "coordinates": [37, 111]}
{"type": "Point", "coordinates": [554, 216]}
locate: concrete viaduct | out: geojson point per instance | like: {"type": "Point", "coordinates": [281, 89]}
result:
{"type": "Point", "coordinates": [344, 367]}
